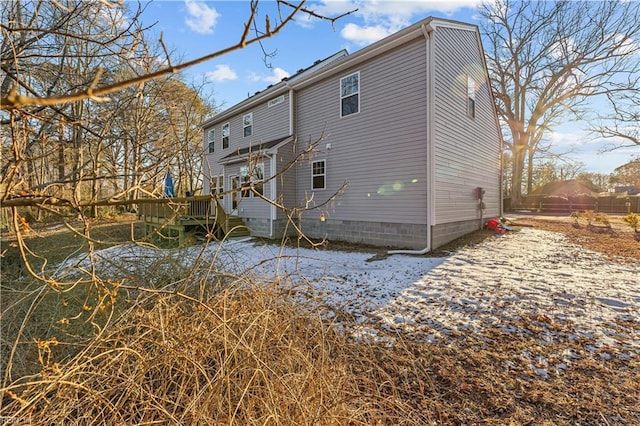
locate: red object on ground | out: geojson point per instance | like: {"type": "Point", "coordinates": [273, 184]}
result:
{"type": "Point", "coordinates": [492, 224]}
{"type": "Point", "coordinates": [495, 225]}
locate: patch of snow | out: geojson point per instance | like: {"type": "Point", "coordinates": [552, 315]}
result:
{"type": "Point", "coordinates": [564, 291]}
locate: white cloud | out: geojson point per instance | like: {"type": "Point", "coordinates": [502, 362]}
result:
{"type": "Point", "coordinates": [221, 73]}
{"type": "Point", "coordinates": [570, 139]}
{"type": "Point", "coordinates": [379, 18]}
{"type": "Point", "coordinates": [275, 77]}
{"type": "Point", "coordinates": [112, 16]}
{"type": "Point", "coordinates": [202, 18]}
{"type": "Point", "coordinates": [627, 45]}
{"type": "Point", "coordinates": [403, 10]}
{"type": "Point", "coordinates": [364, 35]}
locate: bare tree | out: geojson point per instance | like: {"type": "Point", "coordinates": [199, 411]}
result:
{"type": "Point", "coordinates": [67, 148]}
{"type": "Point", "coordinates": [78, 52]}
{"type": "Point", "coordinates": [627, 174]}
{"type": "Point", "coordinates": [621, 124]}
{"type": "Point", "coordinates": [546, 59]}
{"type": "Point", "coordinates": [598, 181]}
{"type": "Point", "coordinates": [58, 47]}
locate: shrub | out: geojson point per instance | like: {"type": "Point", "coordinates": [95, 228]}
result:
{"type": "Point", "coordinates": [589, 216]}
{"type": "Point", "coordinates": [245, 356]}
{"type": "Point", "coordinates": [633, 220]}
{"type": "Point", "coordinates": [602, 218]}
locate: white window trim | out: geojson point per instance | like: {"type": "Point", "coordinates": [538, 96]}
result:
{"type": "Point", "coordinates": [323, 174]}
{"type": "Point", "coordinates": [251, 182]}
{"type": "Point", "coordinates": [342, 97]}
{"type": "Point", "coordinates": [219, 184]}
{"type": "Point", "coordinates": [228, 126]}
{"type": "Point", "coordinates": [211, 139]}
{"type": "Point", "coordinates": [472, 89]}
{"type": "Point", "coordinates": [244, 126]}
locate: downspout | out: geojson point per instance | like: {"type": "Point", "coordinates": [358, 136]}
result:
{"type": "Point", "coordinates": [272, 189]}
{"type": "Point", "coordinates": [290, 112]}
{"type": "Point", "coordinates": [427, 31]}
{"type": "Point", "coordinates": [500, 188]}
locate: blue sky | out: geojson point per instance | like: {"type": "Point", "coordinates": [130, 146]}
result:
{"type": "Point", "coordinates": [195, 28]}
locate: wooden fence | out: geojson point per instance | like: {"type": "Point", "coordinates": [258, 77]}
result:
{"type": "Point", "coordinates": [567, 204]}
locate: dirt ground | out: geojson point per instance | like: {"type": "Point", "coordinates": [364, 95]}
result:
{"type": "Point", "coordinates": [618, 242]}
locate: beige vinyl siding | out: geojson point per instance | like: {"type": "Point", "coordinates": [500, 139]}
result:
{"type": "Point", "coordinates": [268, 124]}
{"type": "Point", "coordinates": [249, 207]}
{"type": "Point", "coordinates": [286, 180]}
{"type": "Point", "coordinates": [467, 150]}
{"type": "Point", "coordinates": [380, 152]}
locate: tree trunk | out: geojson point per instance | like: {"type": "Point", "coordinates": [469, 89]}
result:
{"type": "Point", "coordinates": [519, 152]}
{"type": "Point", "coordinates": [530, 155]}
{"type": "Point", "coordinates": [61, 154]}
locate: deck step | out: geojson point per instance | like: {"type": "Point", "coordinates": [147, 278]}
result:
{"type": "Point", "coordinates": [235, 227]}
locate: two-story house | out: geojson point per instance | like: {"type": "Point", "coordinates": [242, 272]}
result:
{"type": "Point", "coordinates": [397, 144]}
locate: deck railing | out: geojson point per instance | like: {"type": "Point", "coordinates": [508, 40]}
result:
{"type": "Point", "coordinates": [190, 207]}
{"type": "Point", "coordinates": [185, 214]}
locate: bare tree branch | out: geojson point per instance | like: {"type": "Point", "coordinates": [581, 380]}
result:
{"type": "Point", "coordinates": [14, 100]}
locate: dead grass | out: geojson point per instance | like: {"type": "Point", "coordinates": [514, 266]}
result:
{"type": "Point", "coordinates": [619, 244]}
{"type": "Point", "coordinates": [243, 357]}
{"type": "Point", "coordinates": [250, 355]}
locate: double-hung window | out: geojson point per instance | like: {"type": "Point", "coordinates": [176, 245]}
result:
{"type": "Point", "coordinates": [318, 174]}
{"type": "Point", "coordinates": [350, 94]}
{"type": "Point", "coordinates": [472, 88]}
{"type": "Point", "coordinates": [252, 176]}
{"type": "Point", "coordinates": [247, 124]}
{"type": "Point", "coordinates": [217, 184]}
{"type": "Point", "coordinates": [225, 135]}
{"type": "Point", "coordinates": [211, 138]}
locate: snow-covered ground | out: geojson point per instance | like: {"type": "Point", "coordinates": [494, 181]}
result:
{"type": "Point", "coordinates": [570, 292]}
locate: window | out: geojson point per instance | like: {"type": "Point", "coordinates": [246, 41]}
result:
{"type": "Point", "coordinates": [350, 94]}
{"type": "Point", "coordinates": [318, 173]}
{"type": "Point", "coordinates": [247, 124]}
{"type": "Point", "coordinates": [225, 136]}
{"type": "Point", "coordinates": [217, 184]}
{"type": "Point", "coordinates": [252, 176]}
{"type": "Point", "coordinates": [211, 138]}
{"type": "Point", "coordinates": [472, 88]}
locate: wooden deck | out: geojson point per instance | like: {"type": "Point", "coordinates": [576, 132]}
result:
{"type": "Point", "coordinates": [178, 217]}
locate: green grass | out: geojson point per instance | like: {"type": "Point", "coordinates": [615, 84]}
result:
{"type": "Point", "coordinates": [65, 314]}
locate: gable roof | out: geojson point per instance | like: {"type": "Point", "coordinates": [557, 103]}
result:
{"type": "Point", "coordinates": [339, 61]}
{"type": "Point", "coordinates": [263, 147]}
{"type": "Point", "coordinates": [564, 188]}
{"type": "Point", "coordinates": [278, 88]}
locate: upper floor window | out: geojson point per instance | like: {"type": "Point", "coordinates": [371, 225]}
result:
{"type": "Point", "coordinates": [472, 88]}
{"type": "Point", "coordinates": [350, 94]}
{"type": "Point", "coordinates": [211, 138]}
{"type": "Point", "coordinates": [318, 174]}
{"type": "Point", "coordinates": [247, 124]}
{"type": "Point", "coordinates": [252, 176]}
{"type": "Point", "coordinates": [225, 135]}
